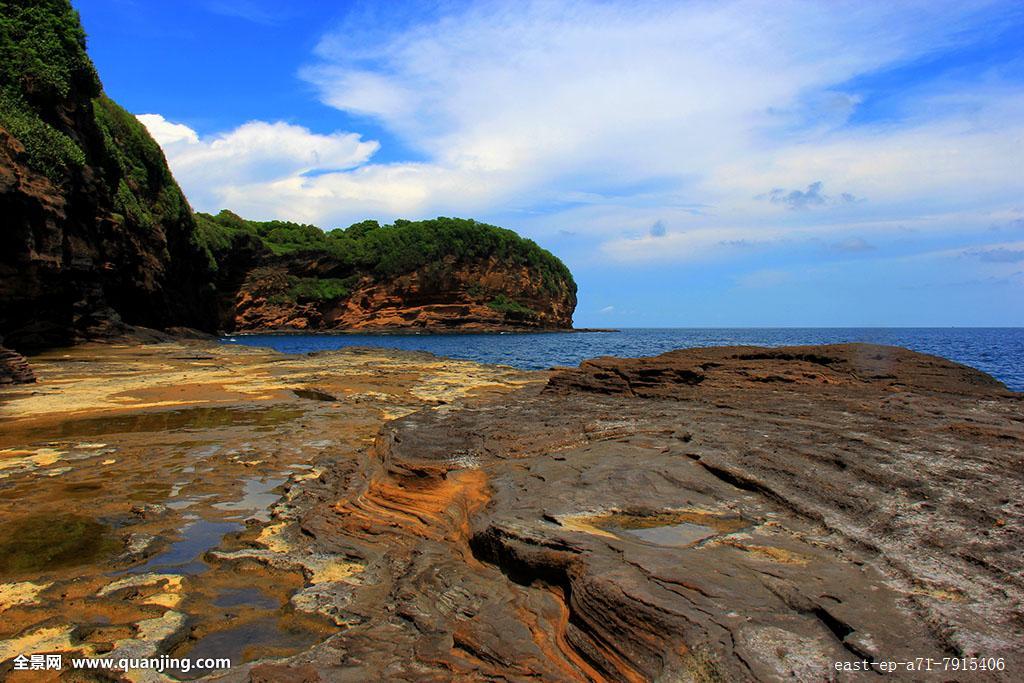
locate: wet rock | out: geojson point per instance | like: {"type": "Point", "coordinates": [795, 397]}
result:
{"type": "Point", "coordinates": [313, 394]}
{"type": "Point", "coordinates": [150, 511]}
{"type": "Point", "coordinates": [21, 593]}
{"type": "Point", "coordinates": [150, 636]}
{"type": "Point", "coordinates": [202, 435]}
{"type": "Point", "coordinates": [164, 590]}
{"type": "Point", "coordinates": [137, 547]}
{"type": "Point", "coordinates": [273, 673]}
{"type": "Point", "coordinates": [14, 369]}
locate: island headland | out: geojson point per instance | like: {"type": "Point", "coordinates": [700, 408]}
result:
{"type": "Point", "coordinates": [99, 241]}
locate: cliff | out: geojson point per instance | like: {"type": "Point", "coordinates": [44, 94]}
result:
{"type": "Point", "coordinates": [439, 274]}
{"type": "Point", "coordinates": [97, 235]}
{"type": "Point", "coordinates": [98, 240]}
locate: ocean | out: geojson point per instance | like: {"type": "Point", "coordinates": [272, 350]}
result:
{"type": "Point", "coordinates": [998, 351]}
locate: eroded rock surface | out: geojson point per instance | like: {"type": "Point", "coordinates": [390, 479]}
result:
{"type": "Point", "coordinates": [448, 295]}
{"type": "Point", "coordinates": [14, 369]}
{"type": "Point", "coordinates": [707, 515]}
{"type": "Point", "coordinates": [146, 495]}
{"type": "Point", "coordinates": [724, 514]}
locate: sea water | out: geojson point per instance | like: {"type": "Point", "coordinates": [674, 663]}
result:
{"type": "Point", "coordinates": [998, 351]}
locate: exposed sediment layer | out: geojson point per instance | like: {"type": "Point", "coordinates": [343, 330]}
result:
{"type": "Point", "coordinates": [717, 514]}
{"type": "Point", "coordinates": [14, 369]}
{"type": "Point", "coordinates": [708, 515]}
{"type": "Point", "coordinates": [145, 494]}
{"type": "Point", "coordinates": [445, 296]}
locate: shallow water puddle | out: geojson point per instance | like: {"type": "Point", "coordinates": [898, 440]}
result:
{"type": "Point", "coordinates": [247, 641]}
{"type": "Point", "coordinates": [41, 543]}
{"type": "Point", "coordinates": [245, 597]}
{"type": "Point", "coordinates": [185, 555]}
{"type": "Point", "coordinates": [257, 498]}
{"type": "Point", "coordinates": [680, 535]}
{"type": "Point", "coordinates": [670, 528]}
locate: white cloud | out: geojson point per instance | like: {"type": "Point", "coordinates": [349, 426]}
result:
{"type": "Point", "coordinates": [606, 118]}
{"type": "Point", "coordinates": [257, 156]}
{"type": "Point", "coordinates": [167, 133]}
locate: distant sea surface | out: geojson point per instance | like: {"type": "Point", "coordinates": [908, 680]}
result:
{"type": "Point", "coordinates": [998, 351]}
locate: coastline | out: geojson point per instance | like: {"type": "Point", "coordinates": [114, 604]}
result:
{"type": "Point", "coordinates": [323, 482]}
{"type": "Point", "coordinates": [405, 331]}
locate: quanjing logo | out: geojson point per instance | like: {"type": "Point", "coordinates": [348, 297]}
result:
{"type": "Point", "coordinates": [38, 662]}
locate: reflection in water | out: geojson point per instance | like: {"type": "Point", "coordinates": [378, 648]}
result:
{"type": "Point", "coordinates": [237, 643]}
{"type": "Point", "coordinates": [166, 421]}
{"type": "Point", "coordinates": [681, 535]}
{"type": "Point", "coordinates": [245, 597]}
{"type": "Point", "coordinates": [674, 528]}
{"type": "Point", "coordinates": [256, 499]}
{"type": "Point", "coordinates": [45, 542]}
{"type": "Point", "coordinates": [185, 556]}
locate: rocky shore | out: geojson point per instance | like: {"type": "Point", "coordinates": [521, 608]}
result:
{"type": "Point", "coordinates": [707, 515]}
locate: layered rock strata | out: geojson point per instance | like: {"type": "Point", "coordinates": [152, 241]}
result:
{"type": "Point", "coordinates": [715, 514]}
{"type": "Point", "coordinates": [734, 514]}
{"type": "Point", "coordinates": [14, 368]}
{"type": "Point", "coordinates": [455, 296]}
{"type": "Point", "coordinates": [74, 265]}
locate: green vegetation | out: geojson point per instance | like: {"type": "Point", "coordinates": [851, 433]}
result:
{"type": "Point", "coordinates": [146, 192]}
{"type": "Point", "coordinates": [321, 289]}
{"type": "Point", "coordinates": [385, 251]}
{"type": "Point", "coordinates": [52, 102]}
{"type": "Point", "coordinates": [218, 233]}
{"type": "Point", "coordinates": [42, 64]}
{"type": "Point", "coordinates": [511, 308]}
{"type": "Point", "coordinates": [44, 72]}
{"type": "Point", "coordinates": [45, 542]}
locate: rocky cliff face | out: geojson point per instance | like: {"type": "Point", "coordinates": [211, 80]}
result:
{"type": "Point", "coordinates": [73, 268]}
{"type": "Point", "coordinates": [479, 295]}
{"type": "Point", "coordinates": [98, 239]}
{"type": "Point", "coordinates": [96, 234]}
{"type": "Point", "coordinates": [437, 274]}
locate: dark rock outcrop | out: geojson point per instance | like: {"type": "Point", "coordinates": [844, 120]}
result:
{"type": "Point", "coordinates": [97, 238]}
{"type": "Point", "coordinates": [676, 374]}
{"type": "Point", "coordinates": [14, 368]}
{"type": "Point", "coordinates": [714, 514]}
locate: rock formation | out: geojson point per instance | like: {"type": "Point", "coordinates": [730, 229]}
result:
{"type": "Point", "coordinates": [725, 514]}
{"type": "Point", "coordinates": [436, 275]}
{"type": "Point", "coordinates": [413, 301]}
{"type": "Point", "coordinates": [713, 514]}
{"type": "Point", "coordinates": [14, 368]}
{"type": "Point", "coordinates": [96, 235]}
{"type": "Point", "coordinates": [98, 238]}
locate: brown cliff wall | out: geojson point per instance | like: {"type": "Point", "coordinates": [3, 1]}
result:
{"type": "Point", "coordinates": [96, 233]}
{"type": "Point", "coordinates": [476, 296]}
{"type": "Point", "coordinates": [73, 268]}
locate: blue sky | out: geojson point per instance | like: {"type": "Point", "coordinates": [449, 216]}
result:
{"type": "Point", "coordinates": [694, 163]}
